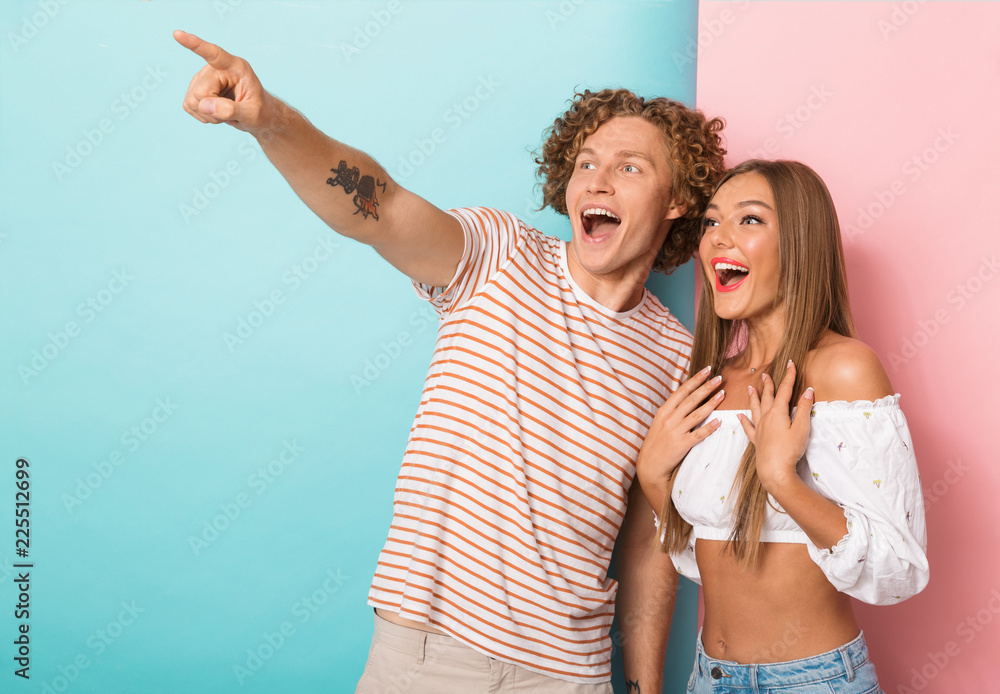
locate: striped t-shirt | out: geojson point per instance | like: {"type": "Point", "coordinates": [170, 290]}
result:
{"type": "Point", "coordinates": [516, 474]}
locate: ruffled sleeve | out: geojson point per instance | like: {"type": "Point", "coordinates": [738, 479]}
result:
{"type": "Point", "coordinates": [860, 455]}
{"type": "Point", "coordinates": [686, 562]}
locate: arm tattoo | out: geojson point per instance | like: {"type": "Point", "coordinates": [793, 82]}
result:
{"type": "Point", "coordinates": [632, 686]}
{"type": "Point", "coordinates": [351, 180]}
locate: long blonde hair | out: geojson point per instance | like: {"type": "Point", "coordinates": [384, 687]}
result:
{"type": "Point", "coordinates": [813, 287]}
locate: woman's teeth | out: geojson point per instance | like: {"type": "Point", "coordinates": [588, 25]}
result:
{"type": "Point", "coordinates": [728, 273]}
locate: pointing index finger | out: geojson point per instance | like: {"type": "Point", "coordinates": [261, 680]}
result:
{"type": "Point", "coordinates": [209, 52]}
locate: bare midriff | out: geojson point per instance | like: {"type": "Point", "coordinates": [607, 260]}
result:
{"type": "Point", "coordinates": [783, 609]}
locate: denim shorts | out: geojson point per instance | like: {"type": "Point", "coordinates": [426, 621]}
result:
{"type": "Point", "coordinates": [844, 670]}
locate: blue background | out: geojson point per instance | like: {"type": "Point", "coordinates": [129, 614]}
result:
{"type": "Point", "coordinates": [172, 249]}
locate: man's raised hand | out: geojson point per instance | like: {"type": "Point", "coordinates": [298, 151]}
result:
{"type": "Point", "coordinates": [226, 90]}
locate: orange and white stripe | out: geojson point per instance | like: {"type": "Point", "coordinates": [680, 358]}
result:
{"type": "Point", "coordinates": [516, 474]}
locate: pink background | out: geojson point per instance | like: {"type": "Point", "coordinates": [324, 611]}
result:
{"type": "Point", "coordinates": [896, 106]}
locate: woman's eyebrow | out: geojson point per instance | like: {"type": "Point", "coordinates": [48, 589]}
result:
{"type": "Point", "coordinates": [747, 203]}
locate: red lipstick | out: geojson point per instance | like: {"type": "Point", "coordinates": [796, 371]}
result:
{"type": "Point", "coordinates": [718, 280]}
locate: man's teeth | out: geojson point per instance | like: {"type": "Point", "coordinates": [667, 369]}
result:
{"type": "Point", "coordinates": [600, 210]}
{"type": "Point", "coordinates": [730, 266]}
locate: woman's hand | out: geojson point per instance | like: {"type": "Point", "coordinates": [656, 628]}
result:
{"type": "Point", "coordinates": [675, 429]}
{"type": "Point", "coordinates": [780, 440]}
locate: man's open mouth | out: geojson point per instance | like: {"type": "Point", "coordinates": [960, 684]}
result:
{"type": "Point", "coordinates": [729, 275]}
{"type": "Point", "coordinates": [599, 222]}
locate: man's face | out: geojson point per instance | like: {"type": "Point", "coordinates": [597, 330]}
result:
{"type": "Point", "coordinates": [619, 203]}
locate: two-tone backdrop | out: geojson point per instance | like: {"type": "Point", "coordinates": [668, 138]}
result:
{"type": "Point", "coordinates": [213, 391]}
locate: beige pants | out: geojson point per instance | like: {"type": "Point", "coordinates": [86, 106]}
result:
{"type": "Point", "coordinates": [409, 661]}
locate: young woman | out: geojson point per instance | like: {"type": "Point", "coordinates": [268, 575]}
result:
{"type": "Point", "coordinates": [783, 513]}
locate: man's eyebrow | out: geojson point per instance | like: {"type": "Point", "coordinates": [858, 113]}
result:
{"type": "Point", "coordinates": [633, 154]}
{"type": "Point", "coordinates": [621, 154]}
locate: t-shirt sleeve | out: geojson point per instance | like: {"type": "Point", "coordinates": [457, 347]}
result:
{"type": "Point", "coordinates": [491, 239]}
{"type": "Point", "coordinates": [861, 457]}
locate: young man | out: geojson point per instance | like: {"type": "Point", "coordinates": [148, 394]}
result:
{"type": "Point", "coordinates": [551, 362]}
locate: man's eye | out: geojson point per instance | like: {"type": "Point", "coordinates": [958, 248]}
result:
{"type": "Point", "coordinates": [587, 165]}
{"type": "Point", "coordinates": [631, 168]}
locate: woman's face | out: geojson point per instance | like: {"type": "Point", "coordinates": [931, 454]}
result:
{"type": "Point", "coordinates": [739, 248]}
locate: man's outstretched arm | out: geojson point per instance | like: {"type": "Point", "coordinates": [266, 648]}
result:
{"type": "Point", "coordinates": [647, 587]}
{"type": "Point", "coordinates": [346, 188]}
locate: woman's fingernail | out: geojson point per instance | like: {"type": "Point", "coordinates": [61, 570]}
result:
{"type": "Point", "coordinates": [717, 379]}
{"type": "Point", "coordinates": [721, 394]}
{"type": "Point", "coordinates": [809, 393]}
{"type": "Point", "coordinates": [749, 390]}
{"type": "Point", "coordinates": [705, 371]}
{"type": "Point", "coordinates": [789, 364]}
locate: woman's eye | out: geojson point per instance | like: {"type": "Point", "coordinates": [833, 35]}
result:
{"type": "Point", "coordinates": [706, 222]}
{"type": "Point", "coordinates": [630, 168]}
{"type": "Point", "coordinates": [751, 219]}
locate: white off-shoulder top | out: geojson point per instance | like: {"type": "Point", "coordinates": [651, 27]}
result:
{"type": "Point", "coordinates": [860, 456]}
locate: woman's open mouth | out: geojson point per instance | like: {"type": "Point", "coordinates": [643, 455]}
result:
{"type": "Point", "coordinates": [729, 274]}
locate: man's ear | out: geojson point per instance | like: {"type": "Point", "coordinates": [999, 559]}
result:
{"type": "Point", "coordinates": [676, 210]}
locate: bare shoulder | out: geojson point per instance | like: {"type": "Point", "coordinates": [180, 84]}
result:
{"type": "Point", "coordinates": [845, 368]}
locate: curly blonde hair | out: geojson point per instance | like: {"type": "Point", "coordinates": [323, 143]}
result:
{"type": "Point", "coordinates": [696, 158]}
